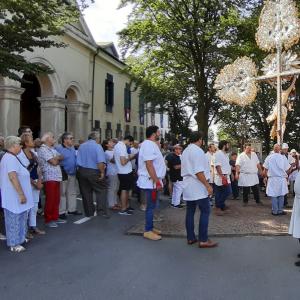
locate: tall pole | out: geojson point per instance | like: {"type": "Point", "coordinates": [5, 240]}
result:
{"type": "Point", "coordinates": [279, 88]}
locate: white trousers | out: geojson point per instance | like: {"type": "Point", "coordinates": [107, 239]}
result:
{"type": "Point", "coordinates": [112, 190]}
{"type": "Point", "coordinates": [34, 209]}
{"type": "Point", "coordinates": [68, 195]}
{"type": "Point", "coordinates": [177, 192]}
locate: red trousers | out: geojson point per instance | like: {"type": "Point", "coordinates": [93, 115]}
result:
{"type": "Point", "coordinates": [52, 191]}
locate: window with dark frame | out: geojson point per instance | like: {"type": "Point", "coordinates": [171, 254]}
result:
{"type": "Point", "coordinates": [127, 102]}
{"type": "Point", "coordinates": [109, 93]}
{"type": "Point", "coordinates": [127, 130]}
{"type": "Point", "coordinates": [135, 134]}
{"type": "Point", "coordinates": [118, 131]}
{"type": "Point", "coordinates": [108, 131]}
{"type": "Point", "coordinates": [141, 110]}
{"type": "Point", "coordinates": [141, 133]}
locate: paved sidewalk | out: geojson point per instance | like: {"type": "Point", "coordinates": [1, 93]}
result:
{"type": "Point", "coordinates": [252, 220]}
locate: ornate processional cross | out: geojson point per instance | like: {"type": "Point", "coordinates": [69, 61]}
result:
{"type": "Point", "coordinates": [278, 31]}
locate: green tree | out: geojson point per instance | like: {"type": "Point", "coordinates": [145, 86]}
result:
{"type": "Point", "coordinates": [27, 24]}
{"type": "Point", "coordinates": [189, 41]}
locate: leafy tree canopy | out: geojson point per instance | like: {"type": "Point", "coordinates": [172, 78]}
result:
{"type": "Point", "coordinates": [185, 42]}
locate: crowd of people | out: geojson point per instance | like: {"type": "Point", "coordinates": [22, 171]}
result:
{"type": "Point", "coordinates": [108, 174]}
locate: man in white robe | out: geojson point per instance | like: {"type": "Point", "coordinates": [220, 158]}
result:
{"type": "Point", "coordinates": [276, 169]}
{"type": "Point", "coordinates": [247, 167]}
{"type": "Point", "coordinates": [294, 229]}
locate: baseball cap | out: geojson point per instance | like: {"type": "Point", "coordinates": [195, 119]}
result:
{"type": "Point", "coordinates": [285, 146]}
{"type": "Point", "coordinates": [293, 151]}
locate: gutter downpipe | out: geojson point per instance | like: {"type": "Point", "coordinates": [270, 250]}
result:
{"type": "Point", "coordinates": [93, 86]}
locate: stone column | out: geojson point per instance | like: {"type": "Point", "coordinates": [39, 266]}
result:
{"type": "Point", "coordinates": [78, 119]}
{"type": "Point", "coordinates": [52, 115]}
{"type": "Point", "coordinates": [10, 97]}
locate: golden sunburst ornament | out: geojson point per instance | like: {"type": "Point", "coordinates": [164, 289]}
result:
{"type": "Point", "coordinates": [278, 23]}
{"type": "Point", "coordinates": [236, 83]}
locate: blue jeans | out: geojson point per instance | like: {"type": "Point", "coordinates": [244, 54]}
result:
{"type": "Point", "coordinates": [235, 189]}
{"type": "Point", "coordinates": [204, 207]}
{"type": "Point", "coordinates": [277, 204]}
{"type": "Point", "coordinates": [151, 205]}
{"type": "Point", "coordinates": [222, 192]}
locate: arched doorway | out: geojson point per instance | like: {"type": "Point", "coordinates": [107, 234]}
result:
{"type": "Point", "coordinates": [30, 107]}
{"type": "Point", "coordinates": [70, 120]}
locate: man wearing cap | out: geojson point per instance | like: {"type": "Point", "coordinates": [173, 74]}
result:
{"type": "Point", "coordinates": [285, 152]}
{"type": "Point", "coordinates": [174, 165]}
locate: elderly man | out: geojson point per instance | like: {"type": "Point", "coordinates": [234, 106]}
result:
{"type": "Point", "coordinates": [151, 171]}
{"type": "Point", "coordinates": [276, 168]}
{"type": "Point", "coordinates": [49, 160]}
{"type": "Point", "coordinates": [91, 174]}
{"type": "Point", "coordinates": [195, 173]}
{"type": "Point", "coordinates": [247, 167]}
{"type": "Point", "coordinates": [68, 201]}
{"type": "Point", "coordinates": [222, 177]}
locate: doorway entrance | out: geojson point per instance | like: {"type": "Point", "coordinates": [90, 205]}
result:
{"type": "Point", "coordinates": [30, 106]}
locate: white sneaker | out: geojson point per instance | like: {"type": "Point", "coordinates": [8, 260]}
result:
{"type": "Point", "coordinates": [2, 237]}
{"type": "Point", "coordinates": [17, 248]}
{"type": "Point", "coordinates": [60, 221]}
{"type": "Point", "coordinates": [51, 225]}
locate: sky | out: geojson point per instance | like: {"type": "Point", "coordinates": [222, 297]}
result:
{"type": "Point", "coordinates": [104, 20]}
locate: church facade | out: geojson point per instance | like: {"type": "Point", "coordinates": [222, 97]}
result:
{"type": "Point", "coordinates": [88, 90]}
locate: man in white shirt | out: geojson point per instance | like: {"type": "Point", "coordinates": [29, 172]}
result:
{"type": "Point", "coordinates": [276, 169]}
{"type": "Point", "coordinates": [247, 167]}
{"type": "Point", "coordinates": [123, 163]}
{"type": "Point", "coordinates": [151, 171]}
{"type": "Point", "coordinates": [222, 177]}
{"type": "Point", "coordinates": [196, 190]}
{"type": "Point", "coordinates": [285, 152]}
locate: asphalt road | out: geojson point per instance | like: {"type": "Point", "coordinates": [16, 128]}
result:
{"type": "Point", "coordinates": [96, 260]}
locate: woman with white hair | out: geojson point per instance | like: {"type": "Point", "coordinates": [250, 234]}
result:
{"type": "Point", "coordinates": [16, 194]}
{"type": "Point", "coordinates": [49, 162]}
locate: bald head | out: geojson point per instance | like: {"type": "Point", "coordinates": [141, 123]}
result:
{"type": "Point", "coordinates": [276, 148]}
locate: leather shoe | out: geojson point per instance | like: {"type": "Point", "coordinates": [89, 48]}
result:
{"type": "Point", "coordinates": [75, 213]}
{"type": "Point", "coordinates": [208, 244]}
{"type": "Point", "coordinates": [297, 263]}
{"type": "Point", "coordinates": [219, 212]}
{"type": "Point", "coordinates": [191, 242]}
